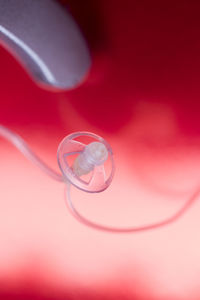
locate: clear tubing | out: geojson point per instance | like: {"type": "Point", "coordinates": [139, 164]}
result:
{"type": "Point", "coordinates": [21, 145]}
{"type": "Point", "coordinates": [146, 227]}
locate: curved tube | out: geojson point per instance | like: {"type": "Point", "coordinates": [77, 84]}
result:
{"type": "Point", "coordinates": [152, 226]}
{"type": "Point", "coordinates": [21, 145]}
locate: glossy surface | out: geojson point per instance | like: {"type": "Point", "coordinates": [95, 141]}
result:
{"type": "Point", "coordinates": [46, 40]}
{"type": "Point", "coordinates": [69, 146]}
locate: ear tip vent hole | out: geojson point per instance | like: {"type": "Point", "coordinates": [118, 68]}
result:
{"type": "Point", "coordinates": [83, 164]}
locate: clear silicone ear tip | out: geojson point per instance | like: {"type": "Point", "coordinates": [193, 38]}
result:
{"type": "Point", "coordinates": [89, 158]}
{"type": "Point", "coordinates": [97, 153]}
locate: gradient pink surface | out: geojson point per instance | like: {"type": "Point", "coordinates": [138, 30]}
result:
{"type": "Point", "coordinates": [142, 95]}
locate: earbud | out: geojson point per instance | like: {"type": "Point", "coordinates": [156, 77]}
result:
{"type": "Point", "coordinates": [94, 154]}
{"type": "Point", "coordinates": [90, 159]}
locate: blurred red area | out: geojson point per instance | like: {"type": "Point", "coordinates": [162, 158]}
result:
{"type": "Point", "coordinates": [142, 94]}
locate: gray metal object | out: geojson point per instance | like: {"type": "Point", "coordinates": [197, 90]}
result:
{"type": "Point", "coordinates": [45, 38]}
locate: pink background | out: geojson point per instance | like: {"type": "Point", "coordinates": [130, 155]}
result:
{"type": "Point", "coordinates": [142, 95]}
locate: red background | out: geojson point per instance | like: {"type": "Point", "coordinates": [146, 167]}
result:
{"type": "Point", "coordinates": [142, 94]}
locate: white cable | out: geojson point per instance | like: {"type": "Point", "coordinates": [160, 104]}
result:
{"type": "Point", "coordinates": [21, 145]}
{"type": "Point", "coordinates": [147, 227]}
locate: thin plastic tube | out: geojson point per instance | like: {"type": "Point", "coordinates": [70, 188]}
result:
{"type": "Point", "coordinates": [21, 145]}
{"type": "Point", "coordinates": [146, 227]}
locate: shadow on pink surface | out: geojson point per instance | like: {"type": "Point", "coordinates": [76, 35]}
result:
{"type": "Point", "coordinates": [33, 293]}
